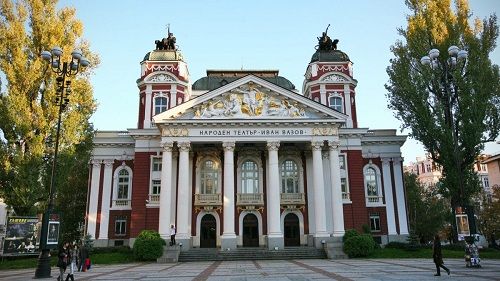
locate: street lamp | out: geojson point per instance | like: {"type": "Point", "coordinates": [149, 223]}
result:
{"type": "Point", "coordinates": [63, 70]}
{"type": "Point", "coordinates": [448, 95]}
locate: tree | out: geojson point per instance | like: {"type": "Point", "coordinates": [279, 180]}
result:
{"type": "Point", "coordinates": [421, 97]}
{"type": "Point", "coordinates": [28, 116]}
{"type": "Point", "coordinates": [427, 212]}
{"type": "Point", "coordinates": [488, 216]}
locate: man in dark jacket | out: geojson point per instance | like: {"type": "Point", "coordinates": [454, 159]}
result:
{"type": "Point", "coordinates": [437, 256]}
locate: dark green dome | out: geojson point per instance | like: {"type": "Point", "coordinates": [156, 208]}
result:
{"type": "Point", "coordinates": [330, 56]}
{"type": "Point", "coordinates": [209, 83]}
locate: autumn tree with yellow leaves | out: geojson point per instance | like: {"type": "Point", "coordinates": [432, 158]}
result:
{"type": "Point", "coordinates": [28, 114]}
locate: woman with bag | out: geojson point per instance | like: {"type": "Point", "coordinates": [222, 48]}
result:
{"type": "Point", "coordinates": [72, 262]}
{"type": "Point", "coordinates": [62, 260]}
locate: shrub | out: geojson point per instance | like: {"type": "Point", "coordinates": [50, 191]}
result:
{"type": "Point", "coordinates": [349, 233]}
{"type": "Point", "coordinates": [359, 246]}
{"type": "Point", "coordinates": [148, 245]}
{"type": "Point", "coordinates": [396, 245]}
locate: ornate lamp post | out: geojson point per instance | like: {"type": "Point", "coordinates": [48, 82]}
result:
{"type": "Point", "coordinates": [63, 70]}
{"type": "Point", "coordinates": [448, 95]}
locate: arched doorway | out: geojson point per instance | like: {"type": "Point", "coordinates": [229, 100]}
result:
{"type": "Point", "coordinates": [292, 230]}
{"type": "Point", "coordinates": [208, 234]}
{"type": "Point", "coordinates": [250, 231]}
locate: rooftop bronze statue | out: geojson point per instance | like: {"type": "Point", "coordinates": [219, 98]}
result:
{"type": "Point", "coordinates": [325, 43]}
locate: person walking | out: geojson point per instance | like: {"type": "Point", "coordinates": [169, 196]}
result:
{"type": "Point", "coordinates": [62, 260]}
{"type": "Point", "coordinates": [172, 235]}
{"type": "Point", "coordinates": [73, 255]}
{"type": "Point", "coordinates": [83, 256]}
{"type": "Point", "coordinates": [437, 256]}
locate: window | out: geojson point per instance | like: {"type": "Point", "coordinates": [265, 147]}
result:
{"type": "Point", "coordinates": [486, 182]}
{"type": "Point", "coordinates": [155, 187]}
{"type": "Point", "coordinates": [336, 103]}
{"type": "Point", "coordinates": [156, 164]}
{"type": "Point", "coordinates": [120, 225]}
{"type": "Point", "coordinates": [161, 104]}
{"type": "Point", "coordinates": [483, 167]}
{"type": "Point", "coordinates": [123, 184]}
{"type": "Point", "coordinates": [345, 191]}
{"type": "Point", "coordinates": [428, 167]}
{"type": "Point", "coordinates": [375, 222]}
{"type": "Point", "coordinates": [371, 182]}
{"type": "Point", "coordinates": [209, 177]}
{"type": "Point", "coordinates": [342, 162]}
{"type": "Point", "coordinates": [289, 177]}
{"type": "Point", "coordinates": [249, 177]}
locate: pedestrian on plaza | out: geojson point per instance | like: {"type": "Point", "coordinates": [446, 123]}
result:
{"type": "Point", "coordinates": [172, 235]}
{"type": "Point", "coordinates": [73, 255]}
{"type": "Point", "coordinates": [83, 256]}
{"type": "Point", "coordinates": [62, 260]}
{"type": "Point", "coordinates": [437, 256]}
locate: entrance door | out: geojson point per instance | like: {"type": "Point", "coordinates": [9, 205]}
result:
{"type": "Point", "coordinates": [250, 231]}
{"type": "Point", "coordinates": [208, 232]}
{"type": "Point", "coordinates": [292, 230]}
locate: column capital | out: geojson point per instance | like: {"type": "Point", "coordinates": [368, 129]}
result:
{"type": "Point", "coordinates": [167, 146]}
{"type": "Point", "coordinates": [96, 163]}
{"type": "Point", "coordinates": [316, 145]}
{"type": "Point", "coordinates": [397, 160]}
{"type": "Point", "coordinates": [333, 145]}
{"type": "Point", "coordinates": [385, 160]}
{"type": "Point", "coordinates": [228, 145]}
{"type": "Point", "coordinates": [108, 162]}
{"type": "Point", "coordinates": [184, 146]}
{"type": "Point", "coordinates": [273, 145]}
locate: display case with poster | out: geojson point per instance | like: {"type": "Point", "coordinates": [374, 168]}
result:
{"type": "Point", "coordinates": [21, 236]}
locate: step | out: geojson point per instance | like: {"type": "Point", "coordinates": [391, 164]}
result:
{"type": "Point", "coordinates": [204, 254]}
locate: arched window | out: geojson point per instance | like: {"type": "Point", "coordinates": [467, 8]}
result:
{"type": "Point", "coordinates": [123, 185]}
{"type": "Point", "coordinates": [209, 177]}
{"type": "Point", "coordinates": [289, 177]}
{"type": "Point", "coordinates": [249, 177]}
{"type": "Point", "coordinates": [371, 184]}
{"type": "Point", "coordinates": [336, 103]}
{"type": "Point", "coordinates": [161, 104]}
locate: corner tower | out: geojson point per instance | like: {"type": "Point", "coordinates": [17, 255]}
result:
{"type": "Point", "coordinates": [329, 79]}
{"type": "Point", "coordinates": [164, 81]}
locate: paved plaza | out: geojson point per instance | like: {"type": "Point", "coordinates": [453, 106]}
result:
{"type": "Point", "coordinates": [284, 270]}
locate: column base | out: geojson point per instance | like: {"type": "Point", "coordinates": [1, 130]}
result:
{"type": "Point", "coordinates": [275, 242]}
{"type": "Point", "coordinates": [320, 241]}
{"type": "Point", "coordinates": [185, 244]}
{"type": "Point", "coordinates": [397, 238]}
{"type": "Point", "coordinates": [338, 233]}
{"type": "Point", "coordinates": [228, 242]}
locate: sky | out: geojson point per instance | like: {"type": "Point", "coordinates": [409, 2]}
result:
{"type": "Point", "coordinates": [257, 34]}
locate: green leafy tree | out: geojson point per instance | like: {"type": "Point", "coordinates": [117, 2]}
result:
{"type": "Point", "coordinates": [420, 96]}
{"type": "Point", "coordinates": [28, 116]}
{"type": "Point", "coordinates": [427, 212]}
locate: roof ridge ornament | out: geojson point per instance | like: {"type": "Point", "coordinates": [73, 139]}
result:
{"type": "Point", "coordinates": [325, 43]}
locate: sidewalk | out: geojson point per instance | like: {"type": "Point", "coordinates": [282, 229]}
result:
{"type": "Point", "coordinates": [295, 270]}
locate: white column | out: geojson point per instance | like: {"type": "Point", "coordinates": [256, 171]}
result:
{"type": "Point", "coordinates": [347, 102]}
{"type": "Point", "coordinates": [275, 236]}
{"type": "Point", "coordinates": [338, 205]}
{"type": "Point", "coordinates": [389, 201]}
{"type": "Point", "coordinates": [319, 190]}
{"type": "Point", "coordinates": [183, 192]}
{"type": "Point", "coordinates": [94, 197]}
{"type": "Point", "coordinates": [173, 96]}
{"type": "Point", "coordinates": [107, 186]}
{"type": "Point", "coordinates": [166, 191]}
{"type": "Point", "coordinates": [173, 180]}
{"type": "Point", "coordinates": [322, 94]}
{"type": "Point", "coordinates": [147, 107]}
{"type": "Point", "coordinates": [228, 235]}
{"type": "Point", "coordinates": [400, 196]}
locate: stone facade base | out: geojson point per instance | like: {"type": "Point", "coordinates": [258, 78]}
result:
{"type": "Point", "coordinates": [275, 242]}
{"type": "Point", "coordinates": [170, 254]}
{"type": "Point", "coordinates": [185, 244]}
{"type": "Point", "coordinates": [228, 243]}
{"type": "Point", "coordinates": [333, 249]}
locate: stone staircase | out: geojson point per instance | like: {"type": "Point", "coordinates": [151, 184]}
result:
{"type": "Point", "coordinates": [288, 253]}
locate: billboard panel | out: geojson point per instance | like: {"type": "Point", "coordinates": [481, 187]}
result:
{"type": "Point", "coordinates": [21, 236]}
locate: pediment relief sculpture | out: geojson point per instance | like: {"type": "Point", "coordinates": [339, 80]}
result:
{"type": "Point", "coordinates": [249, 101]}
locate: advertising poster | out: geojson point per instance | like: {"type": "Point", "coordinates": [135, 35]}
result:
{"type": "Point", "coordinates": [21, 236]}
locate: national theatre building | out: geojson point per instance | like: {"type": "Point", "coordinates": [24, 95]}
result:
{"type": "Point", "coordinates": [241, 158]}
